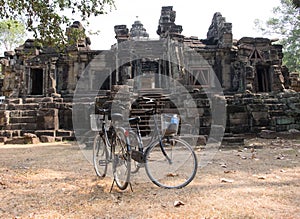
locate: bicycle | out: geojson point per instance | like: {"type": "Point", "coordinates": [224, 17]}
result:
{"type": "Point", "coordinates": [165, 152]}
{"type": "Point", "coordinates": [110, 145]}
{"type": "Point", "coordinates": [170, 162]}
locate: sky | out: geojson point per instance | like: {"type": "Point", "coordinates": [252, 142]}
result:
{"type": "Point", "coordinates": [195, 16]}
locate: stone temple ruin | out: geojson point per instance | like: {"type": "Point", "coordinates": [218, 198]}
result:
{"type": "Point", "coordinates": [261, 94]}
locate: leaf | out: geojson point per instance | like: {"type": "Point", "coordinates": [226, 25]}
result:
{"type": "Point", "coordinates": [224, 180]}
{"type": "Point", "coordinates": [260, 176]}
{"type": "Point", "coordinates": [172, 174]}
{"type": "Point", "coordinates": [178, 203]}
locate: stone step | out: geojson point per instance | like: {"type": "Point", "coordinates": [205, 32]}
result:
{"type": "Point", "coordinates": [233, 140]}
{"type": "Point", "coordinates": [45, 132]}
{"type": "Point", "coordinates": [22, 113]}
{"type": "Point", "coordinates": [64, 133]}
{"type": "Point", "coordinates": [10, 133]}
{"type": "Point", "coordinates": [37, 100]}
{"type": "Point", "coordinates": [28, 119]}
{"type": "Point", "coordinates": [27, 106]}
{"type": "Point", "coordinates": [22, 126]}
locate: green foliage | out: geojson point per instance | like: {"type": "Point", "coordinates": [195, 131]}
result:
{"type": "Point", "coordinates": [286, 25]}
{"type": "Point", "coordinates": [12, 33]}
{"type": "Point", "coordinates": [48, 18]}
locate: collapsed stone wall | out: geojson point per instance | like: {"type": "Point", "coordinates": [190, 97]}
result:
{"type": "Point", "coordinates": [40, 116]}
{"type": "Point", "coordinates": [252, 113]}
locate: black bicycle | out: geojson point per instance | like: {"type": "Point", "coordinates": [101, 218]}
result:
{"type": "Point", "coordinates": [170, 162]}
{"type": "Point", "coordinates": [111, 146]}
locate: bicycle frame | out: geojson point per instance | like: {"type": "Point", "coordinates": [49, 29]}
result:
{"type": "Point", "coordinates": [154, 137]}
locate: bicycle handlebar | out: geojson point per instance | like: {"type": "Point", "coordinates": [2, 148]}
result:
{"type": "Point", "coordinates": [150, 100]}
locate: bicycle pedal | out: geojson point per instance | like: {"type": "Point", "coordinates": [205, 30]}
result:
{"type": "Point", "coordinates": [138, 156]}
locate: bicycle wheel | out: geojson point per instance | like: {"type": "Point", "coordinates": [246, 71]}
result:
{"type": "Point", "coordinates": [121, 160]}
{"type": "Point", "coordinates": [175, 170]}
{"type": "Point", "coordinates": [100, 156]}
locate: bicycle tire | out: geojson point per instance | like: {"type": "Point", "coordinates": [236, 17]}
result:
{"type": "Point", "coordinates": [121, 160]}
{"type": "Point", "coordinates": [175, 174]}
{"type": "Point", "coordinates": [100, 156]}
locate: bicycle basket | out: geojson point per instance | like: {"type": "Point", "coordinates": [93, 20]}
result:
{"type": "Point", "coordinates": [96, 122]}
{"type": "Point", "coordinates": [169, 124]}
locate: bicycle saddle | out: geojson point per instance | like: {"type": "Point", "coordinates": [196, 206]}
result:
{"type": "Point", "coordinates": [134, 120]}
{"type": "Point", "coordinates": [117, 117]}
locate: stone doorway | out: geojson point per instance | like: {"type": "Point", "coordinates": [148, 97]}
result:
{"type": "Point", "coordinates": [263, 78]}
{"type": "Point", "coordinates": [37, 81]}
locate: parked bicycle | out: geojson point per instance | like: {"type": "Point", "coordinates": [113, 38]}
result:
{"type": "Point", "coordinates": [169, 161]}
{"type": "Point", "coordinates": [110, 146]}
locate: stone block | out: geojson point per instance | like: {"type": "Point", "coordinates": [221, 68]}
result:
{"type": "Point", "coordinates": [3, 106]}
{"type": "Point", "coordinates": [61, 133]}
{"type": "Point", "coordinates": [268, 134]}
{"type": "Point", "coordinates": [284, 120]}
{"type": "Point", "coordinates": [47, 119]}
{"type": "Point", "coordinates": [21, 126]}
{"type": "Point", "coordinates": [23, 120]}
{"type": "Point", "coordinates": [27, 106]}
{"type": "Point", "coordinates": [49, 105]}
{"type": "Point", "coordinates": [239, 118]}
{"type": "Point", "coordinates": [260, 118]}
{"type": "Point", "coordinates": [47, 139]}
{"type": "Point", "coordinates": [20, 113]}
{"type": "Point", "coordinates": [26, 139]}
{"type": "Point", "coordinates": [4, 117]}
{"type": "Point", "coordinates": [239, 129]}
{"type": "Point", "coordinates": [235, 109]}
{"type": "Point", "coordinates": [15, 100]}
{"type": "Point", "coordinates": [45, 132]}
{"type": "Point", "coordinates": [233, 141]}
{"type": "Point", "coordinates": [3, 139]}
{"type": "Point", "coordinates": [65, 119]}
{"type": "Point", "coordinates": [281, 128]}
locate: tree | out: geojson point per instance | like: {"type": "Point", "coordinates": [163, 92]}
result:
{"type": "Point", "coordinates": [47, 18]}
{"type": "Point", "coordinates": [286, 25]}
{"type": "Point", "coordinates": [12, 33]}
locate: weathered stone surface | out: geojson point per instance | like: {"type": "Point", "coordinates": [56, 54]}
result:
{"type": "Point", "coordinates": [39, 87]}
{"type": "Point", "coordinates": [45, 132]}
{"type": "Point", "coordinates": [47, 119]}
{"type": "Point", "coordinates": [47, 139]}
{"type": "Point", "coordinates": [268, 134]}
{"type": "Point", "coordinates": [26, 139]}
{"type": "Point", "coordinates": [3, 139]}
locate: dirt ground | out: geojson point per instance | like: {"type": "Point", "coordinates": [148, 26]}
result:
{"type": "Point", "coordinates": [259, 180]}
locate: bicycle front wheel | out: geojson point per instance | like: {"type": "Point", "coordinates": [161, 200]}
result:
{"type": "Point", "coordinates": [121, 160]}
{"type": "Point", "coordinates": [174, 169]}
{"type": "Point", "coordinates": [100, 156]}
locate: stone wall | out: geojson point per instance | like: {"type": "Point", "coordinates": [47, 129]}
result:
{"type": "Point", "coordinates": [252, 113]}
{"type": "Point", "coordinates": [41, 116]}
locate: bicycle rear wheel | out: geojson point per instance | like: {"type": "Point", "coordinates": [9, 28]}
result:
{"type": "Point", "coordinates": [100, 156]}
{"type": "Point", "coordinates": [175, 170]}
{"type": "Point", "coordinates": [121, 160]}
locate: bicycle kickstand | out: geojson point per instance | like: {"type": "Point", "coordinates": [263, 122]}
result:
{"type": "Point", "coordinates": [130, 187]}
{"type": "Point", "coordinates": [112, 185]}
